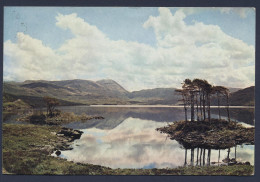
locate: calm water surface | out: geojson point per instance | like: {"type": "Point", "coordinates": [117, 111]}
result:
{"type": "Point", "coordinates": [127, 138]}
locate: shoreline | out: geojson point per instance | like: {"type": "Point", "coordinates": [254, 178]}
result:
{"type": "Point", "coordinates": [173, 106]}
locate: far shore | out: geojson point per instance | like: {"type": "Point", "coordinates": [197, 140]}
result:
{"type": "Point", "coordinates": [174, 106]}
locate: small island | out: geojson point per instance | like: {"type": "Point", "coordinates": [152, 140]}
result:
{"type": "Point", "coordinates": [206, 132]}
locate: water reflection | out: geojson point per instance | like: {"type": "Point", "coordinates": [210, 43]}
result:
{"type": "Point", "coordinates": [135, 144]}
{"type": "Point", "coordinates": [114, 116]}
{"type": "Point", "coordinates": [229, 156]}
{"type": "Point", "coordinates": [132, 144]}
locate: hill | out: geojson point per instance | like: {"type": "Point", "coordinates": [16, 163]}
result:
{"type": "Point", "coordinates": [73, 92]}
{"type": "Point", "coordinates": [155, 96]}
{"type": "Point", "coordinates": [243, 97]}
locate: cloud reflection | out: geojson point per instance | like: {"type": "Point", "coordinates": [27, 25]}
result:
{"type": "Point", "coordinates": [135, 144]}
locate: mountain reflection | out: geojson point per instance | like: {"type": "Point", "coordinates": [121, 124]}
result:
{"type": "Point", "coordinates": [114, 116]}
{"type": "Point", "coordinates": [135, 143]}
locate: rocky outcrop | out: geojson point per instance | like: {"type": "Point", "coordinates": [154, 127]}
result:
{"type": "Point", "coordinates": [65, 138]}
{"type": "Point", "coordinates": [70, 133]}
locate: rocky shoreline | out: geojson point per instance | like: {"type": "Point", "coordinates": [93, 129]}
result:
{"type": "Point", "coordinates": [65, 138]}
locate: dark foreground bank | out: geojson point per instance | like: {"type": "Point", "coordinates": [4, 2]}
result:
{"type": "Point", "coordinates": [27, 149]}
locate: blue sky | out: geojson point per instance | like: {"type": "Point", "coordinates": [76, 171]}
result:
{"type": "Point", "coordinates": [117, 23]}
{"type": "Point", "coordinates": [150, 47]}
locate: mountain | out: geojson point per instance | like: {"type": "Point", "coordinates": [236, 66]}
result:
{"type": "Point", "coordinates": [243, 97]}
{"type": "Point", "coordinates": [76, 91]}
{"type": "Point", "coordinates": [155, 96]}
{"type": "Point", "coordinates": [233, 89]}
{"type": "Point", "coordinates": [71, 92]}
{"type": "Point", "coordinates": [113, 86]}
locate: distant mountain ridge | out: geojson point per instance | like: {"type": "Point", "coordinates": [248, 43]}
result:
{"type": "Point", "coordinates": [106, 91]}
{"type": "Point", "coordinates": [244, 97]}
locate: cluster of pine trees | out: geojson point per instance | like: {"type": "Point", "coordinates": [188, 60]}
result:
{"type": "Point", "coordinates": [197, 94]}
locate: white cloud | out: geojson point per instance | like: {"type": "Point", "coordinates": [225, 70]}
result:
{"type": "Point", "coordinates": [183, 51]}
{"type": "Point", "coordinates": [29, 59]}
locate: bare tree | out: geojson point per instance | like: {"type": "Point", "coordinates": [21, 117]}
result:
{"type": "Point", "coordinates": [51, 103]}
{"type": "Point", "coordinates": [208, 90]}
{"type": "Point", "coordinates": [227, 99]}
{"type": "Point", "coordinates": [185, 100]}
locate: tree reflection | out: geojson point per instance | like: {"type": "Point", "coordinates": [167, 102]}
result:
{"type": "Point", "coordinates": [203, 157]}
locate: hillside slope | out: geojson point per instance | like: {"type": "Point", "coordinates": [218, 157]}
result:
{"type": "Point", "coordinates": [108, 91]}
{"type": "Point", "coordinates": [243, 97]}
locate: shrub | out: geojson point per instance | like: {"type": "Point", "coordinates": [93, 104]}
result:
{"type": "Point", "coordinates": [37, 119]}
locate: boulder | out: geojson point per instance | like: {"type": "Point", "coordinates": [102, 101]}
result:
{"type": "Point", "coordinates": [67, 132]}
{"type": "Point", "coordinates": [58, 152]}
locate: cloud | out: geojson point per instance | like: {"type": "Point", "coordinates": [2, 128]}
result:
{"type": "Point", "coordinates": [183, 51]}
{"type": "Point", "coordinates": [28, 59]}
{"type": "Point", "coordinates": [203, 49]}
{"type": "Point", "coordinates": [242, 12]}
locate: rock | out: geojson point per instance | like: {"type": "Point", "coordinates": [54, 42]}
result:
{"type": "Point", "coordinates": [247, 163]}
{"type": "Point", "coordinates": [232, 163]}
{"type": "Point", "coordinates": [47, 148]}
{"type": "Point", "coordinates": [226, 160]}
{"type": "Point", "coordinates": [74, 134]}
{"type": "Point", "coordinates": [233, 160]}
{"type": "Point", "coordinates": [58, 152]}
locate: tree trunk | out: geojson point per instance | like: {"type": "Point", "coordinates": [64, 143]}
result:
{"type": "Point", "coordinates": [185, 107]}
{"type": "Point", "coordinates": [228, 154]}
{"type": "Point", "coordinates": [228, 108]}
{"type": "Point", "coordinates": [209, 153]}
{"type": "Point", "coordinates": [208, 99]}
{"type": "Point", "coordinates": [203, 157]}
{"type": "Point", "coordinates": [204, 109]}
{"type": "Point", "coordinates": [186, 119]}
{"type": "Point", "coordinates": [235, 152]}
{"type": "Point", "coordinates": [200, 105]}
{"type": "Point", "coordinates": [197, 163]}
{"type": "Point", "coordinates": [185, 160]}
{"type": "Point", "coordinates": [218, 156]}
{"type": "Point", "coordinates": [219, 117]}
{"type": "Point", "coordinates": [192, 106]}
{"type": "Point", "coordinates": [197, 107]}
{"type": "Point", "coordinates": [200, 155]}
{"type": "Point", "coordinates": [192, 157]}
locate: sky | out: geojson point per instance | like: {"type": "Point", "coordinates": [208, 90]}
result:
{"type": "Point", "coordinates": [138, 47]}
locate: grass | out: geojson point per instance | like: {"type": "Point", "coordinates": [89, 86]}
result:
{"type": "Point", "coordinates": [60, 118]}
{"type": "Point", "coordinates": [25, 151]}
{"type": "Point", "coordinates": [14, 105]}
